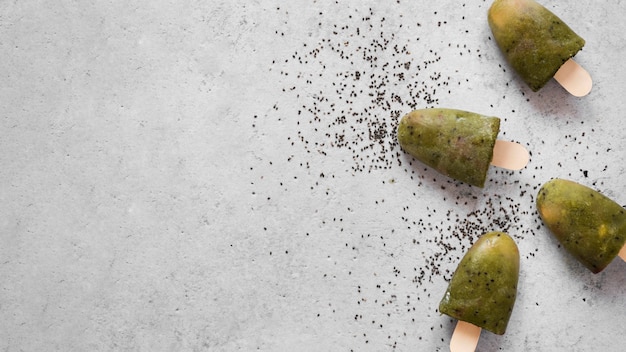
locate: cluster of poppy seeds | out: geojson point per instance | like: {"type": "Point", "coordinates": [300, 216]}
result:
{"type": "Point", "coordinates": [453, 235]}
{"type": "Point", "coordinates": [354, 105]}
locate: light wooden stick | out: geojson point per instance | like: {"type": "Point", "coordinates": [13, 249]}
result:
{"type": "Point", "coordinates": [510, 155]}
{"type": "Point", "coordinates": [622, 253]}
{"type": "Point", "coordinates": [465, 337]}
{"type": "Point", "coordinates": [574, 78]}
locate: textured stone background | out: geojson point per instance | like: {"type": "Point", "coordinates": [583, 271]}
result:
{"type": "Point", "coordinates": [223, 176]}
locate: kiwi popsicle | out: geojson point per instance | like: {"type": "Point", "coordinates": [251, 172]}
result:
{"type": "Point", "coordinates": [483, 288]}
{"type": "Point", "coordinates": [537, 43]}
{"type": "Point", "coordinates": [588, 224]}
{"type": "Point", "coordinates": [458, 144]}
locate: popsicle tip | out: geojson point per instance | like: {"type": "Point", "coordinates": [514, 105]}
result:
{"type": "Point", "coordinates": [510, 155]}
{"type": "Point", "coordinates": [574, 78]}
{"type": "Point", "coordinates": [465, 337]}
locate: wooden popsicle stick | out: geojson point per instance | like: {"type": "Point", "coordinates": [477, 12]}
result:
{"type": "Point", "coordinates": [622, 253]}
{"type": "Point", "coordinates": [574, 78]}
{"type": "Point", "coordinates": [465, 337]}
{"type": "Point", "coordinates": [510, 155]}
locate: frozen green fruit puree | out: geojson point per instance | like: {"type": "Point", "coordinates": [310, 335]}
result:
{"type": "Point", "coordinates": [535, 42]}
{"type": "Point", "coordinates": [458, 144]}
{"type": "Point", "coordinates": [484, 286]}
{"type": "Point", "coordinates": [588, 224]}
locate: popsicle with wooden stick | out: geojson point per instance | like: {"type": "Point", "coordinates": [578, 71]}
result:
{"type": "Point", "coordinates": [538, 45]}
{"type": "Point", "coordinates": [588, 224]}
{"type": "Point", "coordinates": [459, 144]}
{"type": "Point", "coordinates": [482, 291]}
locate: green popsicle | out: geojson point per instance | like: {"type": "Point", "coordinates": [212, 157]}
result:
{"type": "Point", "coordinates": [588, 224]}
{"type": "Point", "coordinates": [484, 286]}
{"type": "Point", "coordinates": [535, 41]}
{"type": "Point", "coordinates": [458, 144]}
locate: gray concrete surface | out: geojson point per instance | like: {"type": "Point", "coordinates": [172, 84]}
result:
{"type": "Point", "coordinates": [223, 176]}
